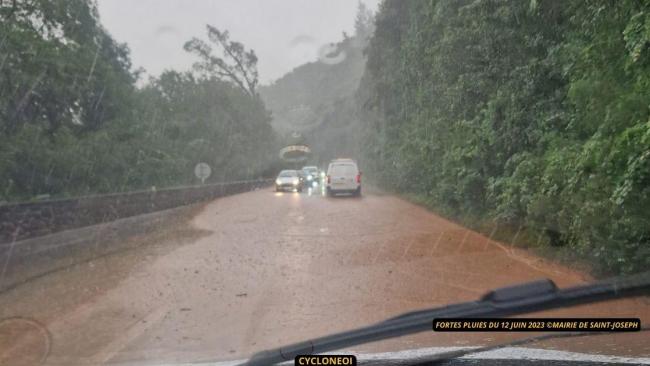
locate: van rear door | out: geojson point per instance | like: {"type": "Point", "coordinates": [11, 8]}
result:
{"type": "Point", "coordinates": [343, 176]}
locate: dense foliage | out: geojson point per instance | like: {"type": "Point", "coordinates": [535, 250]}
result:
{"type": "Point", "coordinates": [534, 114]}
{"type": "Point", "coordinates": [72, 120]}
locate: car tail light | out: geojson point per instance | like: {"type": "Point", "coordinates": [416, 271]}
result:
{"type": "Point", "coordinates": [328, 179]}
{"type": "Point", "coordinates": [359, 178]}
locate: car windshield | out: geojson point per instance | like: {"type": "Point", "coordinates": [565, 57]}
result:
{"type": "Point", "coordinates": [184, 181]}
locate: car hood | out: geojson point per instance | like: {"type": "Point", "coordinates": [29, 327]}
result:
{"type": "Point", "coordinates": [287, 179]}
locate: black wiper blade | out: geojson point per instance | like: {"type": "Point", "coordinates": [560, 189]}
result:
{"type": "Point", "coordinates": [514, 300]}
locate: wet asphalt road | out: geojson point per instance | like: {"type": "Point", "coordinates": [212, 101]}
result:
{"type": "Point", "coordinates": [262, 269]}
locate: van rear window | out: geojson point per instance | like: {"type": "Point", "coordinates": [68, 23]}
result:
{"type": "Point", "coordinates": [343, 169]}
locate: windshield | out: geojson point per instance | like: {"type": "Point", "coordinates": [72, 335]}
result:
{"type": "Point", "coordinates": [183, 181]}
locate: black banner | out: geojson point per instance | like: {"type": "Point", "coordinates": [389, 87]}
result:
{"type": "Point", "coordinates": [536, 324]}
{"type": "Point", "coordinates": [325, 360]}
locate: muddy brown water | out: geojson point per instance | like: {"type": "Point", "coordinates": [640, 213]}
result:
{"type": "Point", "coordinates": [262, 269]}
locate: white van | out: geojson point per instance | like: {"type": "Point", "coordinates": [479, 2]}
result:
{"type": "Point", "coordinates": [343, 176]}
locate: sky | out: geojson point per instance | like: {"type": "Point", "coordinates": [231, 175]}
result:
{"type": "Point", "coordinates": [283, 33]}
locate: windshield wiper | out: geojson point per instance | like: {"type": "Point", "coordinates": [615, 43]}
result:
{"type": "Point", "coordinates": [514, 300]}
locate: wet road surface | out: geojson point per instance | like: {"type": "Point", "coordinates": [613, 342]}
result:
{"type": "Point", "coordinates": [262, 269]}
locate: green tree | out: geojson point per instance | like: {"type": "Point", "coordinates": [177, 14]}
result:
{"type": "Point", "coordinates": [236, 65]}
{"type": "Point", "coordinates": [526, 112]}
{"type": "Point", "coordinates": [72, 121]}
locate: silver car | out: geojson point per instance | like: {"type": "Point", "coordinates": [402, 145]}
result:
{"type": "Point", "coordinates": [288, 180]}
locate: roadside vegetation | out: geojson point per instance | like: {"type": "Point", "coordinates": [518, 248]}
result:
{"type": "Point", "coordinates": [76, 118]}
{"type": "Point", "coordinates": [529, 119]}
{"type": "Point", "coordinates": [530, 115]}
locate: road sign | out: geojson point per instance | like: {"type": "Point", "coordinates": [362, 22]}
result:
{"type": "Point", "coordinates": [202, 171]}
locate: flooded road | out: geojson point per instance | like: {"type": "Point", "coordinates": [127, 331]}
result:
{"type": "Point", "coordinates": [261, 269]}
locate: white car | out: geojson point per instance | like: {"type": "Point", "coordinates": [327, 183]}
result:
{"type": "Point", "coordinates": [288, 180]}
{"type": "Point", "coordinates": [343, 176]}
